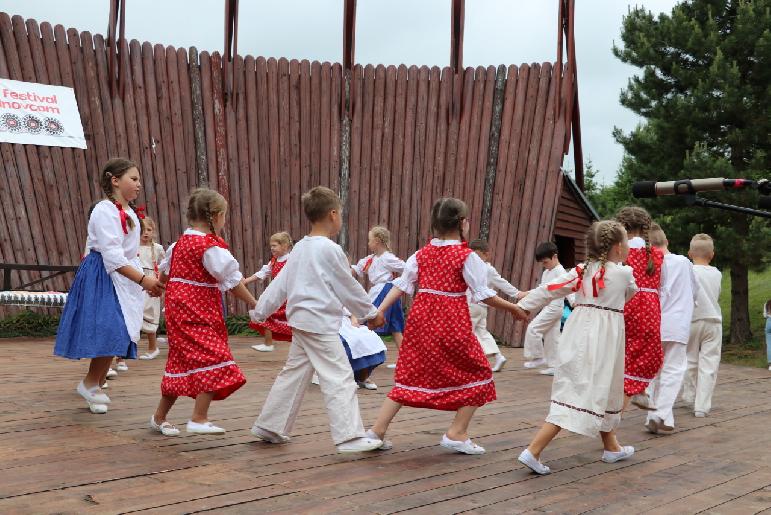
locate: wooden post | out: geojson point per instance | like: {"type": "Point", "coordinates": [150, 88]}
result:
{"type": "Point", "coordinates": [346, 112]}
{"type": "Point", "coordinates": [492, 152]}
{"type": "Point", "coordinates": [230, 51]}
{"type": "Point", "coordinates": [199, 129]}
{"type": "Point", "coordinates": [456, 55]}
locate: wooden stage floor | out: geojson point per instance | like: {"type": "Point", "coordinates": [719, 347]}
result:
{"type": "Point", "coordinates": [55, 457]}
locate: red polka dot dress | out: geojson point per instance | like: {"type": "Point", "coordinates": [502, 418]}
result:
{"type": "Point", "coordinates": [441, 364]}
{"type": "Point", "coordinates": [642, 321]}
{"type": "Point", "coordinates": [276, 323]}
{"type": "Point", "coordinates": [199, 356]}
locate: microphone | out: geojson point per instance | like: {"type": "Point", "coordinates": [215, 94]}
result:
{"type": "Point", "coordinates": [649, 189]}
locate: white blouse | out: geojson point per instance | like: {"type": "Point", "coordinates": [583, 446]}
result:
{"type": "Point", "coordinates": [151, 255]}
{"type": "Point", "coordinates": [219, 262]}
{"type": "Point", "coordinates": [106, 236]}
{"type": "Point", "coordinates": [266, 270]}
{"type": "Point", "coordinates": [496, 282]}
{"type": "Point", "coordinates": [382, 268]}
{"type": "Point", "coordinates": [474, 273]}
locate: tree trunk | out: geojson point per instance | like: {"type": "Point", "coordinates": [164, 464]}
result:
{"type": "Point", "coordinates": [741, 332]}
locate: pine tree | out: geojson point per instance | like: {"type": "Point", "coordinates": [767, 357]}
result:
{"type": "Point", "coordinates": [704, 92]}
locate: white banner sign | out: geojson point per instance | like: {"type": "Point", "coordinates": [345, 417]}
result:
{"type": "Point", "coordinates": [38, 114]}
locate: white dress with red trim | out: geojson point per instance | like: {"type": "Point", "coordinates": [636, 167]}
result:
{"type": "Point", "coordinates": [588, 389]}
{"type": "Point", "coordinates": [441, 364]}
{"type": "Point", "coordinates": [199, 358]}
{"type": "Point", "coordinates": [276, 323]}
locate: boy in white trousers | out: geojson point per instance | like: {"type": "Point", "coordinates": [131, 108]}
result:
{"type": "Point", "coordinates": [478, 312]}
{"type": "Point", "coordinates": [706, 337]}
{"type": "Point", "coordinates": [316, 284]}
{"type": "Point", "coordinates": [544, 330]}
{"type": "Point", "coordinates": [677, 293]}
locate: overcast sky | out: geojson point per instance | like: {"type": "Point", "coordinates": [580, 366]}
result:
{"type": "Point", "coordinates": [393, 32]}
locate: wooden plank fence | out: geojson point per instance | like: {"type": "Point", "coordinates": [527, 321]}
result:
{"type": "Point", "coordinates": [280, 133]}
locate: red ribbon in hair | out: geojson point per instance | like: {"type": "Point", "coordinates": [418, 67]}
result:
{"type": "Point", "coordinates": [578, 280]}
{"type": "Point", "coordinates": [367, 264]}
{"type": "Point", "coordinates": [140, 211]}
{"type": "Point", "coordinates": [598, 281]}
{"type": "Point", "coordinates": [123, 217]}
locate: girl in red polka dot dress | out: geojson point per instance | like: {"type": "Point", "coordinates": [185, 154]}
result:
{"type": "Point", "coordinates": [197, 268]}
{"type": "Point", "coordinates": [276, 327]}
{"type": "Point", "coordinates": [441, 363]}
{"type": "Point", "coordinates": [642, 314]}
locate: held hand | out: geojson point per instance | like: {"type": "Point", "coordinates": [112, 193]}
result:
{"type": "Point", "coordinates": [519, 314]}
{"type": "Point", "coordinates": [355, 321]}
{"type": "Point", "coordinates": [153, 286]}
{"type": "Point", "coordinates": [253, 315]}
{"type": "Point", "coordinates": [522, 294]}
{"type": "Point", "coordinates": [376, 322]}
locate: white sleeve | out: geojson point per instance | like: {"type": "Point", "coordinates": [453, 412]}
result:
{"type": "Point", "coordinates": [165, 265]}
{"type": "Point", "coordinates": [393, 263]}
{"type": "Point", "coordinates": [347, 289]}
{"type": "Point", "coordinates": [264, 272]}
{"type": "Point", "coordinates": [271, 299]}
{"type": "Point", "coordinates": [359, 267]}
{"type": "Point", "coordinates": [221, 264]}
{"type": "Point", "coordinates": [694, 283]}
{"type": "Point", "coordinates": [541, 296]}
{"type": "Point", "coordinates": [409, 278]}
{"type": "Point", "coordinates": [107, 236]}
{"type": "Point", "coordinates": [497, 282]}
{"type": "Point", "coordinates": [475, 275]}
{"type": "Point", "coordinates": [160, 253]}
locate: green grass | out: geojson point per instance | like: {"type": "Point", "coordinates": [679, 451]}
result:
{"type": "Point", "coordinates": [752, 353]}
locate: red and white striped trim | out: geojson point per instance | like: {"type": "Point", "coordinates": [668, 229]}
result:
{"type": "Point", "coordinates": [202, 369]}
{"type": "Point", "coordinates": [445, 293]}
{"type": "Point", "coordinates": [194, 283]}
{"type": "Point", "coordinates": [446, 389]}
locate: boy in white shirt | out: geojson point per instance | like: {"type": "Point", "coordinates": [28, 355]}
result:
{"type": "Point", "coordinates": [677, 293]}
{"type": "Point", "coordinates": [706, 337]}
{"type": "Point", "coordinates": [478, 312]}
{"type": "Point", "coordinates": [544, 330]}
{"type": "Point", "coordinates": [316, 285]}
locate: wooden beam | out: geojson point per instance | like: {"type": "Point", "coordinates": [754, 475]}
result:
{"type": "Point", "coordinates": [346, 111]}
{"type": "Point", "coordinates": [456, 54]}
{"type": "Point", "coordinates": [492, 152]}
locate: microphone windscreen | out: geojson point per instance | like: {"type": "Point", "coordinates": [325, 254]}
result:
{"type": "Point", "coordinates": [764, 202]}
{"type": "Point", "coordinates": [644, 189]}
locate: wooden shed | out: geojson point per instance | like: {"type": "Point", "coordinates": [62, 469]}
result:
{"type": "Point", "coordinates": [575, 214]}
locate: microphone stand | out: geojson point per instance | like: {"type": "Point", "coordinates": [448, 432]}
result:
{"type": "Point", "coordinates": [693, 200]}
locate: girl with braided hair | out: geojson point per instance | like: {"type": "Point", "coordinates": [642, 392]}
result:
{"type": "Point", "coordinates": [642, 315]}
{"type": "Point", "coordinates": [198, 268]}
{"type": "Point", "coordinates": [103, 314]}
{"type": "Point", "coordinates": [588, 390]}
{"type": "Point", "coordinates": [441, 364]}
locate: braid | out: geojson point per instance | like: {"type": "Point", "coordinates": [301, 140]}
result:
{"type": "Point", "coordinates": [650, 269]}
{"type": "Point", "coordinates": [210, 220]}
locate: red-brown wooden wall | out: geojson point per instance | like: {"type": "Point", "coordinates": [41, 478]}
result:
{"type": "Point", "coordinates": [278, 135]}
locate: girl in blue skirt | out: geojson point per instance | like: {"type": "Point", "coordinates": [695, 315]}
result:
{"type": "Point", "coordinates": [381, 267]}
{"type": "Point", "coordinates": [103, 314]}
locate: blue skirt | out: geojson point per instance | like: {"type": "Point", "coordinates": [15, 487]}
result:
{"type": "Point", "coordinates": [394, 316]}
{"type": "Point", "coordinates": [364, 362]}
{"type": "Point", "coordinates": [92, 323]}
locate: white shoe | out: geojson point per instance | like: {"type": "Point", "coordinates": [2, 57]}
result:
{"type": "Point", "coordinates": [106, 385]}
{"type": "Point", "coordinates": [626, 452]}
{"type": "Point", "coordinates": [260, 347]}
{"type": "Point", "coordinates": [500, 362]}
{"type": "Point", "coordinates": [121, 366]}
{"type": "Point", "coordinates": [97, 409]}
{"type": "Point", "coordinates": [166, 428]}
{"type": "Point", "coordinates": [652, 425]}
{"type": "Point", "coordinates": [467, 447]}
{"type": "Point", "coordinates": [315, 379]}
{"type": "Point", "coordinates": [150, 355]}
{"type": "Point", "coordinates": [360, 445]}
{"type": "Point", "coordinates": [268, 436]}
{"type": "Point", "coordinates": [547, 371]}
{"type": "Point", "coordinates": [699, 414]}
{"type": "Point", "coordinates": [535, 363]}
{"type": "Point", "coordinates": [391, 365]}
{"type": "Point", "coordinates": [367, 385]}
{"type": "Point", "coordinates": [92, 395]}
{"type": "Point", "coordinates": [111, 373]}
{"type": "Point", "coordinates": [162, 340]}
{"type": "Point", "coordinates": [387, 445]}
{"type": "Point", "coordinates": [527, 459]}
{"type": "Point", "coordinates": [769, 368]}
{"type": "Point", "coordinates": [642, 401]}
{"type": "Point", "coordinates": [206, 428]}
